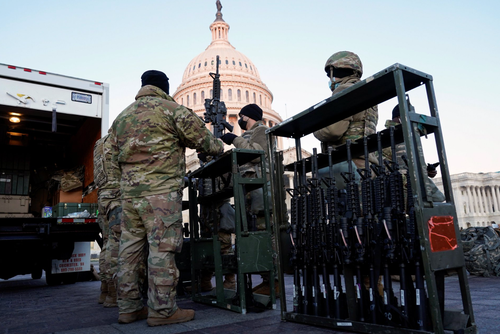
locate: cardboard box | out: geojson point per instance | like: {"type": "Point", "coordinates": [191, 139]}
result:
{"type": "Point", "coordinates": [14, 204]}
{"type": "Point", "coordinates": [16, 215]}
{"type": "Point", "coordinates": [74, 196]}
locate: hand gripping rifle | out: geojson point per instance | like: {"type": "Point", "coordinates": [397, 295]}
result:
{"type": "Point", "coordinates": [215, 109]}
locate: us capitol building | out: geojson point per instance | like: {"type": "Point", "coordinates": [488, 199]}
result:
{"type": "Point", "coordinates": [240, 83]}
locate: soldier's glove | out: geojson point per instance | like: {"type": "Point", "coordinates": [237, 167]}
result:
{"type": "Point", "coordinates": [115, 216]}
{"type": "Point", "coordinates": [228, 138]}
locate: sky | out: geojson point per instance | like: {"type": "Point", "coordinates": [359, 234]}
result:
{"type": "Point", "coordinates": [457, 42]}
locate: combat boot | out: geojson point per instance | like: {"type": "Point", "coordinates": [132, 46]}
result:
{"type": "Point", "coordinates": [230, 282]}
{"type": "Point", "coordinates": [206, 283]}
{"type": "Point", "coordinates": [111, 297]}
{"type": "Point", "coordinates": [127, 318]}
{"type": "Point", "coordinates": [104, 292]}
{"type": "Point", "coordinates": [179, 316]}
{"type": "Point", "coordinates": [265, 288]}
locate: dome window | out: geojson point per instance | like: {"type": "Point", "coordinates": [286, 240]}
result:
{"type": "Point", "coordinates": [199, 65]}
{"type": "Point", "coordinates": [194, 98]}
{"type": "Point", "coordinates": [246, 65]}
{"type": "Point", "coordinates": [194, 67]}
{"type": "Point", "coordinates": [251, 69]}
{"type": "Point", "coordinates": [220, 62]}
{"type": "Point", "coordinates": [202, 95]}
{"type": "Point", "coordinates": [247, 96]}
{"type": "Point", "coordinates": [227, 62]}
{"type": "Point", "coordinates": [212, 62]}
{"type": "Point", "coordinates": [234, 63]}
{"type": "Point", "coordinates": [239, 94]}
{"type": "Point", "coordinates": [240, 64]}
{"type": "Point", "coordinates": [205, 63]}
{"type": "Point", "coordinates": [254, 99]}
{"type": "Point", "coordinates": [229, 93]}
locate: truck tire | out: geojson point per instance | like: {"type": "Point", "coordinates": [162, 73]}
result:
{"type": "Point", "coordinates": [36, 273]}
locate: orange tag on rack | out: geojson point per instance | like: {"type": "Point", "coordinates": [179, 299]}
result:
{"type": "Point", "coordinates": [442, 235]}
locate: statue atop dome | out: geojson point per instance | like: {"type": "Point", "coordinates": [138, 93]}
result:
{"type": "Point", "coordinates": [218, 15]}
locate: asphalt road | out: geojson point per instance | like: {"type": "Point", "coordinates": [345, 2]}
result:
{"type": "Point", "coordinates": [30, 306]}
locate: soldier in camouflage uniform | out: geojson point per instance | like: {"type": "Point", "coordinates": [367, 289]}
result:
{"type": "Point", "coordinates": [344, 69]}
{"type": "Point", "coordinates": [148, 142]}
{"type": "Point", "coordinates": [109, 217]}
{"type": "Point", "coordinates": [254, 138]}
{"type": "Point", "coordinates": [437, 195]}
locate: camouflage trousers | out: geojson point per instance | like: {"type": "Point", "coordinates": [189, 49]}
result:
{"type": "Point", "coordinates": [112, 248]}
{"type": "Point", "coordinates": [155, 221]}
{"type": "Point", "coordinates": [103, 263]}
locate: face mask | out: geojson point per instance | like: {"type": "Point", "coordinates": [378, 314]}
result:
{"type": "Point", "coordinates": [242, 124]}
{"type": "Point", "coordinates": [332, 84]}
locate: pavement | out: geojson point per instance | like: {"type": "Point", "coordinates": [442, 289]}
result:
{"type": "Point", "coordinates": [30, 306]}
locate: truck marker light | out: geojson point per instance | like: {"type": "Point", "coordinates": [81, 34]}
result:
{"type": "Point", "coordinates": [27, 70]}
{"type": "Point", "coordinates": [43, 73]}
{"type": "Point", "coordinates": [15, 119]}
{"type": "Point", "coordinates": [11, 67]}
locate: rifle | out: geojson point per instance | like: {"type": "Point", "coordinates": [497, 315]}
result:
{"type": "Point", "coordinates": [419, 301]}
{"type": "Point", "coordinates": [399, 223]}
{"type": "Point", "coordinates": [368, 217]}
{"type": "Point", "coordinates": [215, 109]}
{"type": "Point", "coordinates": [318, 239]}
{"type": "Point", "coordinates": [383, 211]}
{"type": "Point", "coordinates": [304, 240]}
{"type": "Point", "coordinates": [353, 214]}
{"type": "Point", "coordinates": [295, 237]}
{"type": "Point", "coordinates": [331, 252]}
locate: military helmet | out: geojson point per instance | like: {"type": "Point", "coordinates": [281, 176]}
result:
{"type": "Point", "coordinates": [345, 59]}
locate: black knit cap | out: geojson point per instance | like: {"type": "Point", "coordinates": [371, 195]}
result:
{"type": "Point", "coordinates": [155, 78]}
{"type": "Point", "coordinates": [253, 111]}
{"type": "Point", "coordinates": [395, 112]}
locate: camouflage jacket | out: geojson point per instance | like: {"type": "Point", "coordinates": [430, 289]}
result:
{"type": "Point", "coordinates": [149, 140]}
{"type": "Point", "coordinates": [253, 139]}
{"type": "Point", "coordinates": [109, 186]}
{"type": "Point", "coordinates": [354, 127]}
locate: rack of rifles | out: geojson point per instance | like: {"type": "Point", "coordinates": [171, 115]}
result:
{"type": "Point", "coordinates": [371, 235]}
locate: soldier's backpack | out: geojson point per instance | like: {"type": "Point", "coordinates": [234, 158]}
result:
{"type": "Point", "coordinates": [481, 251]}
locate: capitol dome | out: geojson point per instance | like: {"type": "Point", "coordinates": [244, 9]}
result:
{"type": "Point", "coordinates": [240, 80]}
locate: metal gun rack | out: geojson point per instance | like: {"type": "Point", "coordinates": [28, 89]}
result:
{"type": "Point", "coordinates": [253, 253]}
{"type": "Point", "coordinates": [438, 255]}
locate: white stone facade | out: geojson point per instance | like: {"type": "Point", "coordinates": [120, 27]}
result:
{"type": "Point", "coordinates": [477, 198]}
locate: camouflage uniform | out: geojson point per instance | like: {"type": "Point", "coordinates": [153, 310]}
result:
{"type": "Point", "coordinates": [436, 194]}
{"type": "Point", "coordinates": [255, 139]}
{"type": "Point", "coordinates": [354, 127]}
{"type": "Point", "coordinates": [108, 201]}
{"type": "Point", "coordinates": [148, 145]}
